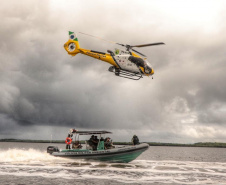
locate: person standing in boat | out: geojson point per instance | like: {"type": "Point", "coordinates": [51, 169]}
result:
{"type": "Point", "coordinates": [90, 141]}
{"type": "Point", "coordinates": [69, 140]}
{"type": "Point", "coordinates": [135, 140]}
{"type": "Point", "coordinates": [95, 142]}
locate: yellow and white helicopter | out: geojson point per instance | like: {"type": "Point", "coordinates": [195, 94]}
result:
{"type": "Point", "coordinates": [124, 63]}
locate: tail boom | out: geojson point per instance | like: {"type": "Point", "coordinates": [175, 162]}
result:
{"type": "Point", "coordinates": [73, 48]}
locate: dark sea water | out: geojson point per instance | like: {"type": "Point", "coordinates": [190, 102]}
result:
{"type": "Point", "coordinates": [28, 163]}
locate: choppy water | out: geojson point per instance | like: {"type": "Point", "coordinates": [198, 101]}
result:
{"type": "Point", "coordinates": [22, 163]}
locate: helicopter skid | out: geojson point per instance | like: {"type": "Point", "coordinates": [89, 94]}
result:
{"type": "Point", "coordinates": [125, 74]}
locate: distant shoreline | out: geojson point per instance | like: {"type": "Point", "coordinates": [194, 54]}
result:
{"type": "Point", "coordinates": [199, 144]}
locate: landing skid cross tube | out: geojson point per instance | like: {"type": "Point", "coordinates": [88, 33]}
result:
{"type": "Point", "coordinates": [125, 74]}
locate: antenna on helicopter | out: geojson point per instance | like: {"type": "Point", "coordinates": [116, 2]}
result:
{"type": "Point", "coordinates": [99, 38]}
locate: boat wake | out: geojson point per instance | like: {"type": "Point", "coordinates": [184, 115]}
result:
{"type": "Point", "coordinates": [36, 163]}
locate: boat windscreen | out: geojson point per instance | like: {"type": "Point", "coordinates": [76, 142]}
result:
{"type": "Point", "coordinates": [91, 132]}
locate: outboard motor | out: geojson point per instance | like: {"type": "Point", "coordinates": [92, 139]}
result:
{"type": "Point", "coordinates": [51, 149]}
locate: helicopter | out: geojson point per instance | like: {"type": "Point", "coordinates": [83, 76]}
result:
{"type": "Point", "coordinates": [127, 63]}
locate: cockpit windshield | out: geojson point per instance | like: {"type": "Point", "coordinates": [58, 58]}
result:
{"type": "Point", "coordinates": [149, 67]}
{"type": "Point", "coordinates": [141, 63]}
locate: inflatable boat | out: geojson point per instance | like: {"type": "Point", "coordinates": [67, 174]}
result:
{"type": "Point", "coordinates": [101, 149]}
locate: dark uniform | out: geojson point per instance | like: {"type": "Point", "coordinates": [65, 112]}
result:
{"type": "Point", "coordinates": [95, 142]}
{"type": "Point", "coordinates": [135, 140]}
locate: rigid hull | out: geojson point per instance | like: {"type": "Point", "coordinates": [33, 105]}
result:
{"type": "Point", "coordinates": [123, 154]}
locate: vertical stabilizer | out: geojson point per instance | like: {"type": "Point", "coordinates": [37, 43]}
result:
{"type": "Point", "coordinates": [72, 45]}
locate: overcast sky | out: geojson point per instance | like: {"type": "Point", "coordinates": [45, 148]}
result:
{"type": "Point", "coordinates": [44, 91]}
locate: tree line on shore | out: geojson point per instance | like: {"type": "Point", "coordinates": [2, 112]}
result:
{"type": "Point", "coordinates": [199, 144]}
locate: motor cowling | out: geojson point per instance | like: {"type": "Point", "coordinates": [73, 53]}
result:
{"type": "Point", "coordinates": [51, 149]}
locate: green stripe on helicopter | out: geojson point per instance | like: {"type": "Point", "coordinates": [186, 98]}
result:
{"type": "Point", "coordinates": [72, 36]}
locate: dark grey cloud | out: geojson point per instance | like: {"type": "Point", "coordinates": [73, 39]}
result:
{"type": "Point", "coordinates": [44, 90]}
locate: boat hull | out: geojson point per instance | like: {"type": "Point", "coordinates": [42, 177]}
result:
{"type": "Point", "coordinates": [117, 155]}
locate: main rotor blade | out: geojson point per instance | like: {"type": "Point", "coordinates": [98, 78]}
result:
{"type": "Point", "coordinates": [151, 44]}
{"type": "Point", "coordinates": [120, 44]}
{"type": "Point", "coordinates": [138, 52]}
{"type": "Point", "coordinates": [99, 38]}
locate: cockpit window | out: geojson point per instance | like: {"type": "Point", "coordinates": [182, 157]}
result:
{"type": "Point", "coordinates": [138, 61]}
{"type": "Point", "coordinates": [141, 63]}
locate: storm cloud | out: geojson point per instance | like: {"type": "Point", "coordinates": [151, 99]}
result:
{"type": "Point", "coordinates": [43, 90]}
